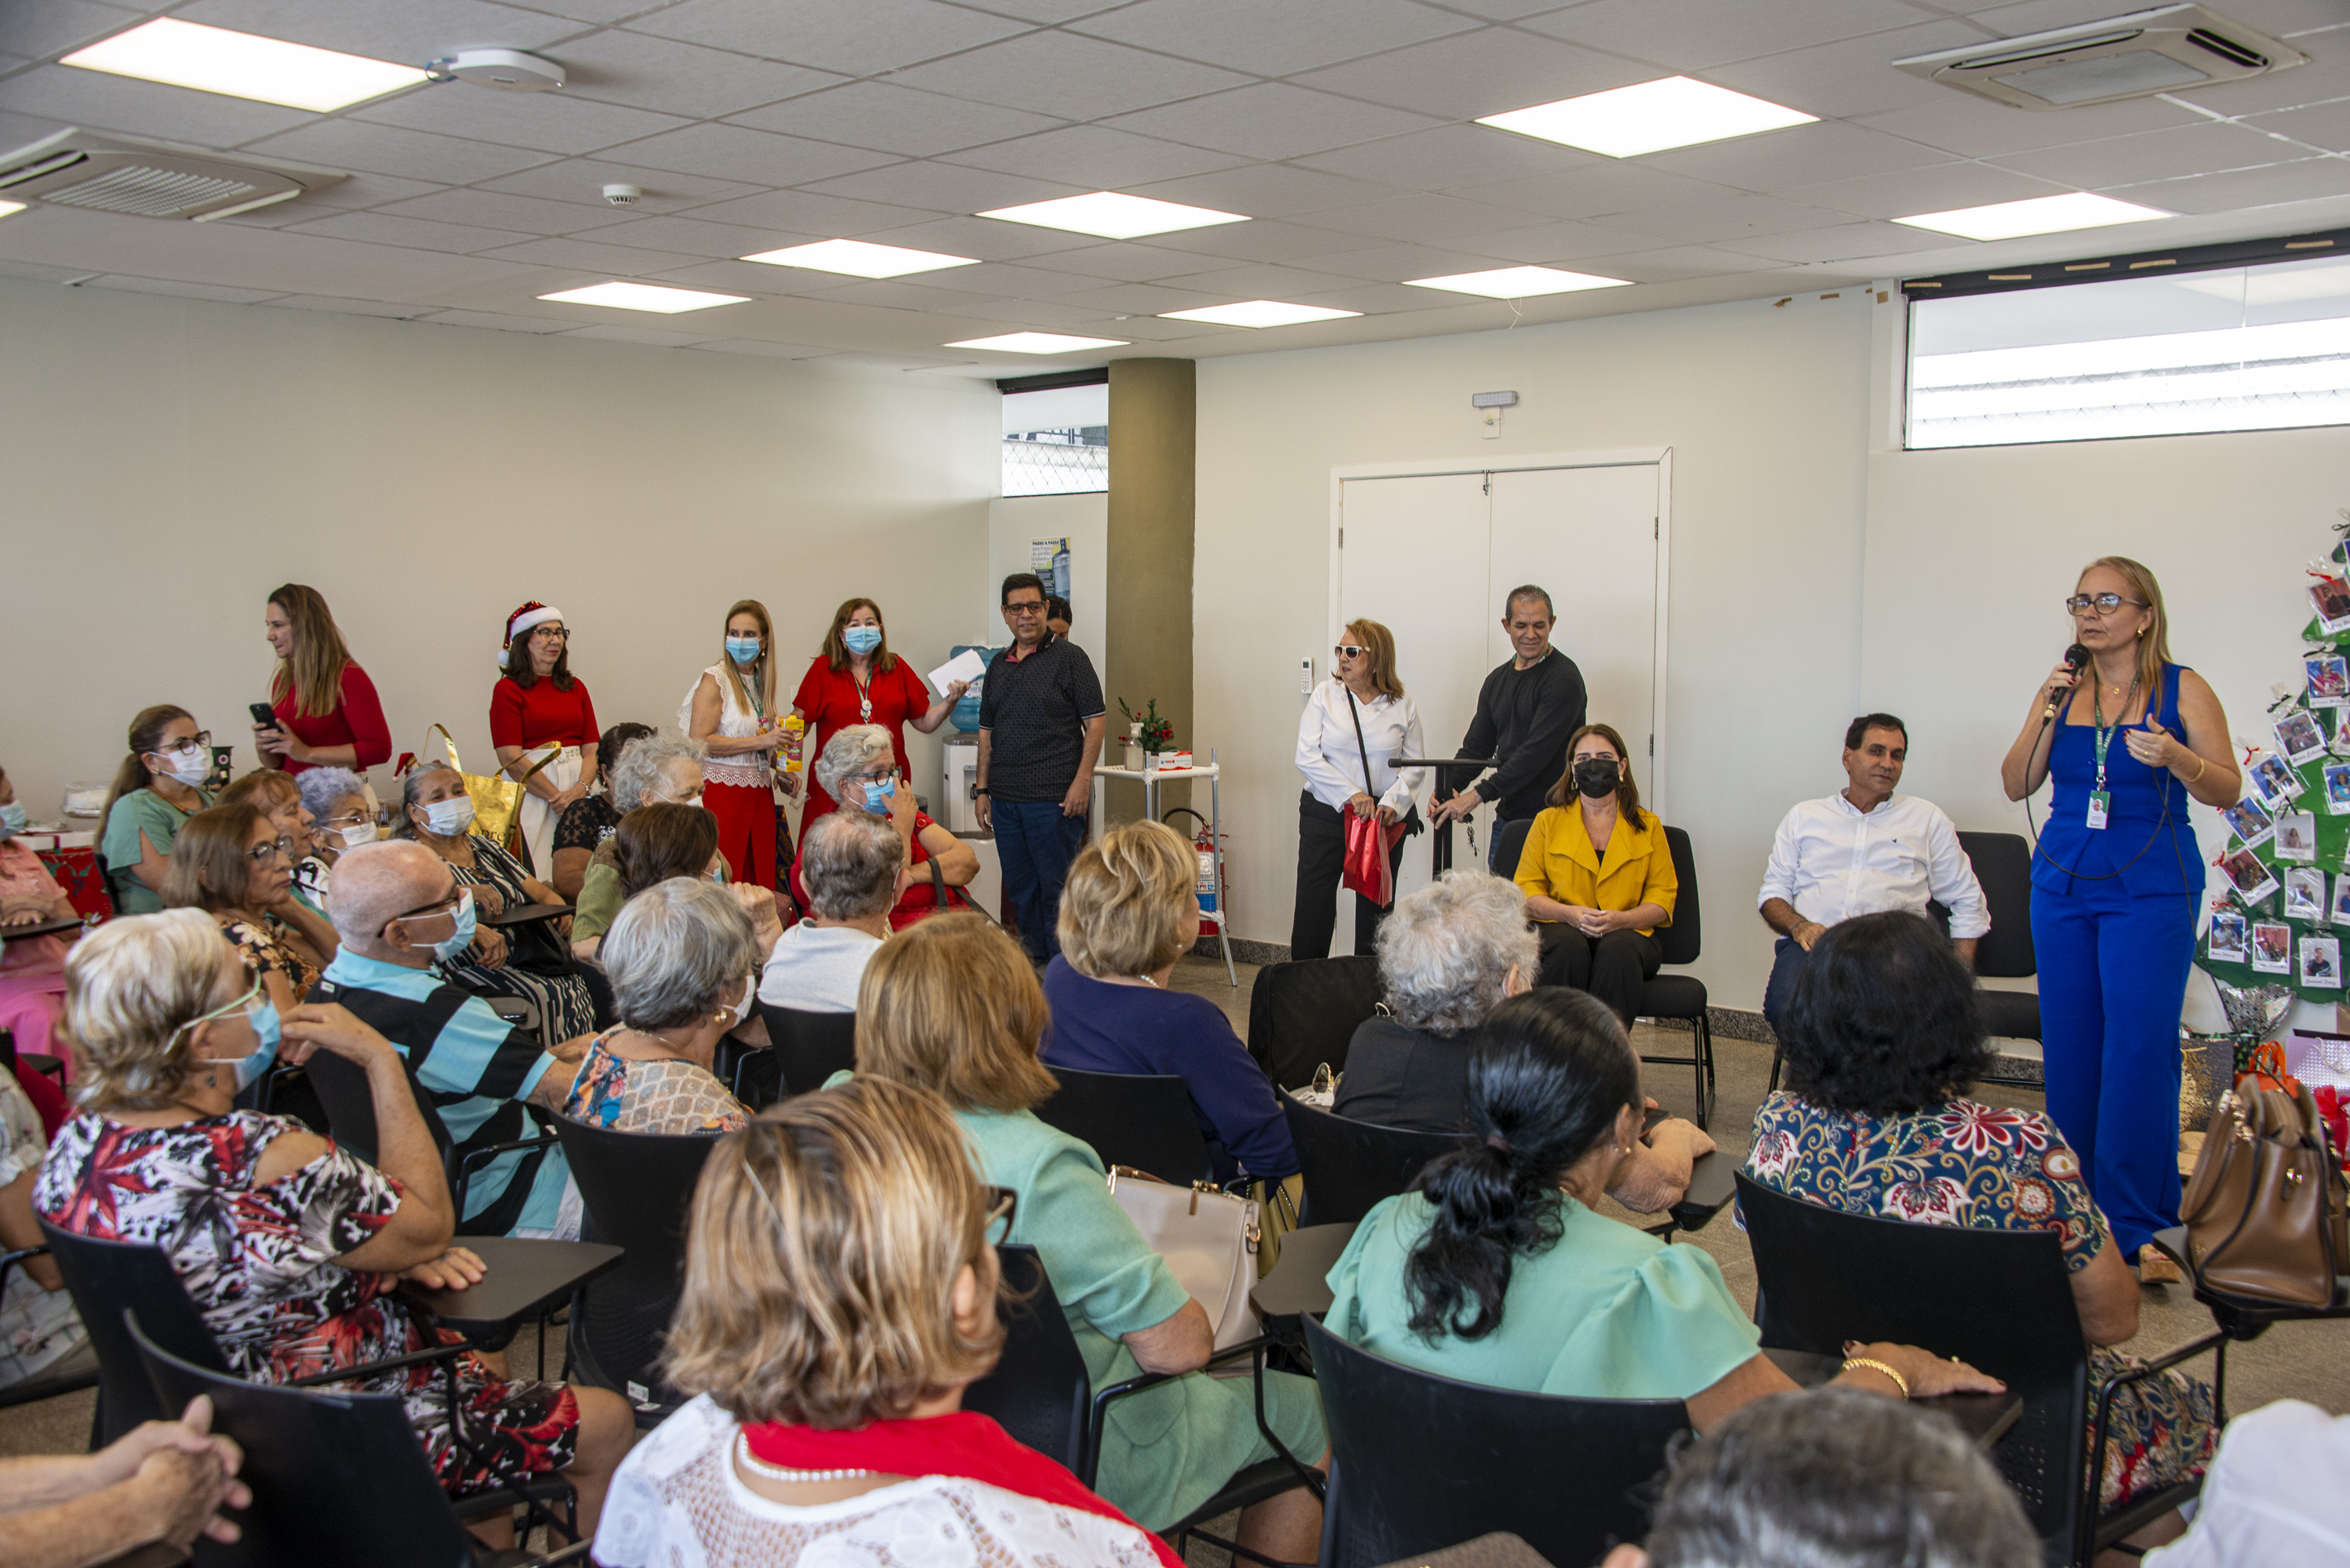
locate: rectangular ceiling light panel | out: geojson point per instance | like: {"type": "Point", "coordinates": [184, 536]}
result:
{"type": "Point", "coordinates": [2037, 215]}
{"type": "Point", "coordinates": [1519, 281]}
{"type": "Point", "coordinates": [243, 65]}
{"type": "Point", "coordinates": [1114, 216]}
{"type": "Point", "coordinates": [1258, 313]}
{"type": "Point", "coordinates": [1625, 122]}
{"type": "Point", "coordinates": [859, 258]}
{"type": "Point", "coordinates": [644, 297]}
{"type": "Point", "coordinates": [1038, 343]}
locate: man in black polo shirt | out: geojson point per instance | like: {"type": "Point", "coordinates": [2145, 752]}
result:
{"type": "Point", "coordinates": [1526, 711]}
{"type": "Point", "coordinates": [1040, 728]}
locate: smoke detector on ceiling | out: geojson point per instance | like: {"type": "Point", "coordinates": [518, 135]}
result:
{"type": "Point", "coordinates": [2134, 56]}
{"type": "Point", "coordinates": [509, 70]}
{"type": "Point", "coordinates": [141, 179]}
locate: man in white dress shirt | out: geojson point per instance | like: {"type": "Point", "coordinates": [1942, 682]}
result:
{"type": "Point", "coordinates": [1862, 851]}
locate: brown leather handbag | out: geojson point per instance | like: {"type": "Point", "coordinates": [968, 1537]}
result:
{"type": "Point", "coordinates": [2265, 1210]}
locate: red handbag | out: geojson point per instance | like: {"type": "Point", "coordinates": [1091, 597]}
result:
{"type": "Point", "coordinates": [1369, 869]}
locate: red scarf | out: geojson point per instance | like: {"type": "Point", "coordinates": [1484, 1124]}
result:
{"type": "Point", "coordinates": [963, 1443]}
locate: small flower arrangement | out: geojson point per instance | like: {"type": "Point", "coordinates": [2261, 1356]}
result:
{"type": "Point", "coordinates": [1156, 734]}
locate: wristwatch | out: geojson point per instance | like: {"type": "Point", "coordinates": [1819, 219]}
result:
{"type": "Point", "coordinates": [978, 790]}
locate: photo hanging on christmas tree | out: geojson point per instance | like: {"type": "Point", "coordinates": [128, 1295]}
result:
{"type": "Point", "coordinates": [2299, 736]}
{"type": "Point", "coordinates": [2337, 788]}
{"type": "Point", "coordinates": [2329, 681]}
{"type": "Point", "coordinates": [2251, 820]}
{"type": "Point", "coordinates": [2296, 837]}
{"type": "Point", "coordinates": [2321, 962]}
{"type": "Point", "coordinates": [2304, 894]}
{"type": "Point", "coordinates": [2341, 914]}
{"type": "Point", "coordinates": [2229, 936]}
{"type": "Point", "coordinates": [2277, 783]}
{"type": "Point", "coordinates": [2271, 950]}
{"type": "Point", "coordinates": [2331, 597]}
{"type": "Point", "coordinates": [2249, 874]}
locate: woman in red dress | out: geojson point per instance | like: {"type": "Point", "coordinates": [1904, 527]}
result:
{"type": "Point", "coordinates": [327, 714]}
{"type": "Point", "coordinates": [858, 681]}
{"type": "Point", "coordinates": [537, 703]}
{"type": "Point", "coordinates": [731, 711]}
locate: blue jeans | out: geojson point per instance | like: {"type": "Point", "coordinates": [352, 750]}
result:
{"type": "Point", "coordinates": [1036, 844]}
{"type": "Point", "coordinates": [2113, 978]}
{"type": "Point", "coordinates": [1785, 967]}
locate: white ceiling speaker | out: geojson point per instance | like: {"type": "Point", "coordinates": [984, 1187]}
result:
{"type": "Point", "coordinates": [509, 70]}
{"type": "Point", "coordinates": [140, 179]}
{"type": "Point", "coordinates": [2134, 56]}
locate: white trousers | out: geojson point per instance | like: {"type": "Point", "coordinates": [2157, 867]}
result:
{"type": "Point", "coordinates": [539, 818]}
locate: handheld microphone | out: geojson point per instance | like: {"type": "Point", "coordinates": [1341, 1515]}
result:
{"type": "Point", "coordinates": [2076, 659]}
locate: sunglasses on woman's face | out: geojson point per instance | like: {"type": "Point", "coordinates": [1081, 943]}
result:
{"type": "Point", "coordinates": [1348, 651]}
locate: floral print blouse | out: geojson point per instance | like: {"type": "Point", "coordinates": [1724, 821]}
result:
{"type": "Point", "coordinates": [675, 1098]}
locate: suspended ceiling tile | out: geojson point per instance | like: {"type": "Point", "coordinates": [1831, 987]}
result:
{"type": "Point", "coordinates": [1262, 282]}
{"type": "Point", "coordinates": [1942, 188]}
{"type": "Point", "coordinates": [591, 10]}
{"type": "Point", "coordinates": [1257, 241]}
{"type": "Point", "coordinates": [1093, 157]}
{"type": "Point", "coordinates": [1377, 298]}
{"type": "Point", "coordinates": [1691, 34]}
{"type": "Point", "coordinates": [1266, 191]}
{"type": "Point", "coordinates": [1734, 218]}
{"type": "Point", "coordinates": [691, 234]}
{"type": "Point", "coordinates": [802, 212]}
{"type": "Point", "coordinates": [496, 321]}
{"type": "Point", "coordinates": [2154, 155]}
{"type": "Point", "coordinates": [1418, 217]}
{"type": "Point", "coordinates": [2324, 125]}
{"type": "Point", "coordinates": [64, 96]}
{"type": "Point", "coordinates": [592, 255]}
{"type": "Point", "coordinates": [1855, 76]}
{"type": "Point", "coordinates": [1844, 241]}
{"type": "Point", "coordinates": [1675, 262]}
{"type": "Point", "coordinates": [760, 349]}
{"type": "Point", "coordinates": [943, 187]}
{"type": "Point", "coordinates": [411, 234]}
{"type": "Point", "coordinates": [983, 239]}
{"type": "Point", "coordinates": [745, 277]}
{"type": "Point", "coordinates": [648, 337]}
{"type": "Point", "coordinates": [363, 190]}
{"type": "Point", "coordinates": [1490, 71]}
{"type": "Point", "coordinates": [1450, 157]}
{"type": "Point", "coordinates": [1051, 317]}
{"type": "Point", "coordinates": [754, 157]}
{"type": "Point", "coordinates": [56, 26]}
{"type": "Point", "coordinates": [1272, 120]}
{"type": "Point", "coordinates": [861, 39]}
{"type": "Point", "coordinates": [893, 119]}
{"type": "Point", "coordinates": [1504, 10]}
{"type": "Point", "coordinates": [1128, 262]}
{"type": "Point", "coordinates": [2305, 180]}
{"type": "Point", "coordinates": [686, 80]}
{"type": "Point", "coordinates": [1558, 245]}
{"type": "Point", "coordinates": [1146, 299]}
{"type": "Point", "coordinates": [411, 31]}
{"type": "Point", "coordinates": [2326, 78]}
{"type": "Point", "coordinates": [1970, 127]}
{"type": "Point", "coordinates": [1012, 282]}
{"type": "Point", "coordinates": [581, 180]}
{"type": "Point", "coordinates": [225, 294]}
{"type": "Point", "coordinates": [1393, 264]}
{"type": "Point", "coordinates": [1600, 188]}
{"type": "Point", "coordinates": [1794, 156]}
{"type": "Point", "coordinates": [898, 294]}
{"type": "Point", "coordinates": [1150, 329]}
{"type": "Point", "coordinates": [879, 361]}
{"type": "Point", "coordinates": [543, 121]}
{"type": "Point", "coordinates": [339, 307]}
{"type": "Point", "coordinates": [1062, 75]}
{"type": "Point", "coordinates": [1272, 37]}
{"type": "Point", "coordinates": [505, 209]}
{"type": "Point", "coordinates": [389, 149]}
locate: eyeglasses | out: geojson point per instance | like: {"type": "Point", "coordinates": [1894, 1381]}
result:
{"type": "Point", "coordinates": [552, 633]}
{"type": "Point", "coordinates": [1002, 1203]}
{"type": "Point", "coordinates": [1348, 651]}
{"type": "Point", "coordinates": [2104, 604]}
{"type": "Point", "coordinates": [349, 819]}
{"type": "Point", "coordinates": [1023, 608]}
{"type": "Point", "coordinates": [202, 740]}
{"type": "Point", "coordinates": [281, 848]}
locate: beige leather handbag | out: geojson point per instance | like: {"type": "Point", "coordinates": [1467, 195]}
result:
{"type": "Point", "coordinates": [2265, 1210]}
{"type": "Point", "coordinates": [1208, 1240]}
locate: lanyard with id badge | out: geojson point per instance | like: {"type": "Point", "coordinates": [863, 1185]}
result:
{"type": "Point", "coordinates": [2100, 798]}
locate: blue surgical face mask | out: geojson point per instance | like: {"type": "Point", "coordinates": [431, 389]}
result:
{"type": "Point", "coordinates": [266, 1029]}
{"type": "Point", "coordinates": [12, 819]}
{"type": "Point", "coordinates": [458, 940]}
{"type": "Point", "coordinates": [742, 649]}
{"type": "Point", "coordinates": [861, 639]}
{"type": "Point", "coordinates": [879, 796]}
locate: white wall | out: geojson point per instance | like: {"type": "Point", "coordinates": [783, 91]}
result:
{"type": "Point", "coordinates": [169, 462]}
{"type": "Point", "coordinates": [1014, 523]}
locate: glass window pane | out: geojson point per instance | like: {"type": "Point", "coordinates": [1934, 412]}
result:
{"type": "Point", "coordinates": [2236, 349]}
{"type": "Point", "coordinates": [1056, 443]}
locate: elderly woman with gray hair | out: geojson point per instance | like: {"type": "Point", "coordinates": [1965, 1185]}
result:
{"type": "Point", "coordinates": [684, 965]}
{"type": "Point", "coordinates": [850, 862]}
{"type": "Point", "coordinates": [858, 768]}
{"type": "Point", "coordinates": [1449, 955]}
{"type": "Point", "coordinates": [341, 819]}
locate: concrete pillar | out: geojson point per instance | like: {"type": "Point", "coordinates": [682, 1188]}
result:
{"type": "Point", "coordinates": [1147, 628]}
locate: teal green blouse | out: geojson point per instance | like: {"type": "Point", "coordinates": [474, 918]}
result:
{"type": "Point", "coordinates": [140, 811]}
{"type": "Point", "coordinates": [1607, 1314]}
{"type": "Point", "coordinates": [1167, 1449]}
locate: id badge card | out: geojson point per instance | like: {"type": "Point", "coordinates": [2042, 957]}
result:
{"type": "Point", "coordinates": [2098, 801]}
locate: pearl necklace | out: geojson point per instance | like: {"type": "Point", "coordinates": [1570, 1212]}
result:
{"type": "Point", "coordinates": [766, 1472]}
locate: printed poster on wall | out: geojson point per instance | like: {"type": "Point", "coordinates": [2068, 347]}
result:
{"type": "Point", "coordinates": [1049, 559]}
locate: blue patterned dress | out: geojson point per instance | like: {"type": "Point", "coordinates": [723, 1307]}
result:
{"type": "Point", "coordinates": [1991, 1169]}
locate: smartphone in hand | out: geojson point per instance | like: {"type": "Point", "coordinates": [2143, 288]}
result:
{"type": "Point", "coordinates": [262, 715]}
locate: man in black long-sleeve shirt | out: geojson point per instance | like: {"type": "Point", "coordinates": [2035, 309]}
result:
{"type": "Point", "coordinates": [1525, 711]}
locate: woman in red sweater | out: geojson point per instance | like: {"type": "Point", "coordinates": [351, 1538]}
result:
{"type": "Point", "coordinates": [328, 712]}
{"type": "Point", "coordinates": [539, 702]}
{"type": "Point", "coordinates": [855, 679]}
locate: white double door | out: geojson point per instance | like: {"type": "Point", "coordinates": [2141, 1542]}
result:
{"type": "Point", "coordinates": [1433, 556]}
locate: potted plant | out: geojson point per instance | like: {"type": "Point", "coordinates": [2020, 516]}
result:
{"type": "Point", "coordinates": [1148, 730]}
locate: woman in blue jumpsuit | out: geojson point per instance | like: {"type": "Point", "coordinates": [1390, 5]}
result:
{"type": "Point", "coordinates": [2116, 888]}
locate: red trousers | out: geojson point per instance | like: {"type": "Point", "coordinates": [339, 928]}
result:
{"type": "Point", "coordinates": [746, 829]}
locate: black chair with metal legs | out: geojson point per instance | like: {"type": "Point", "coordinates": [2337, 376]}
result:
{"type": "Point", "coordinates": [343, 1090]}
{"type": "Point", "coordinates": [1347, 1166]}
{"type": "Point", "coordinates": [1419, 1462]}
{"type": "Point", "coordinates": [804, 1049]}
{"type": "Point", "coordinates": [1304, 1013]}
{"type": "Point", "coordinates": [1143, 1121]}
{"type": "Point", "coordinates": [1998, 1300]}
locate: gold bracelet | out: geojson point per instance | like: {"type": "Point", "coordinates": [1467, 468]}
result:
{"type": "Point", "coordinates": [1898, 1381]}
{"type": "Point", "coordinates": [2202, 763]}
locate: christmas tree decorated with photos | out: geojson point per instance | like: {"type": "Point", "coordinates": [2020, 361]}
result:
{"type": "Point", "coordinates": [2281, 904]}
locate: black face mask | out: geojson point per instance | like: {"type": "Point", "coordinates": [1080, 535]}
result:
{"type": "Point", "coordinates": [1596, 776]}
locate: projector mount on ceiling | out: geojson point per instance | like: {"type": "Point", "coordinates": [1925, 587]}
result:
{"type": "Point", "coordinates": [2133, 55]}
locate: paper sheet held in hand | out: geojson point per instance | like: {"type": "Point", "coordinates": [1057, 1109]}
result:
{"type": "Point", "coordinates": [964, 666]}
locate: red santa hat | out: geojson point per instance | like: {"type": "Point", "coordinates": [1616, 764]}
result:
{"type": "Point", "coordinates": [518, 624]}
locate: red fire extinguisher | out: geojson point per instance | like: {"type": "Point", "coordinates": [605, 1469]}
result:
{"type": "Point", "coordinates": [1210, 847]}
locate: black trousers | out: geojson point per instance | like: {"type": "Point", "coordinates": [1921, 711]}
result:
{"type": "Point", "coordinates": [1321, 864]}
{"type": "Point", "coordinates": [1610, 969]}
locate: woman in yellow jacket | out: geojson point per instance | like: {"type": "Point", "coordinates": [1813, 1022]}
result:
{"type": "Point", "coordinates": [1597, 910]}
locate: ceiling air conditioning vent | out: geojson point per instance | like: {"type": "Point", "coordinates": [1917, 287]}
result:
{"type": "Point", "coordinates": [150, 178]}
{"type": "Point", "coordinates": [2144, 52]}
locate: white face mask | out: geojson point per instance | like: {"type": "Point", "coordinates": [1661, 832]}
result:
{"type": "Point", "coordinates": [750, 997]}
{"type": "Point", "coordinates": [188, 764]}
{"type": "Point", "coordinates": [449, 818]}
{"type": "Point", "coordinates": [353, 837]}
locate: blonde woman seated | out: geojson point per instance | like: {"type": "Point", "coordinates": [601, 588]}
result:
{"type": "Point", "coordinates": [231, 863]}
{"type": "Point", "coordinates": [951, 1004]}
{"type": "Point", "coordinates": [839, 1296]}
{"type": "Point", "coordinates": [291, 1247]}
{"type": "Point", "coordinates": [1598, 876]}
{"type": "Point", "coordinates": [682, 966]}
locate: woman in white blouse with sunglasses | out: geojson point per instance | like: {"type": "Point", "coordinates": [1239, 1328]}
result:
{"type": "Point", "coordinates": [1349, 771]}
